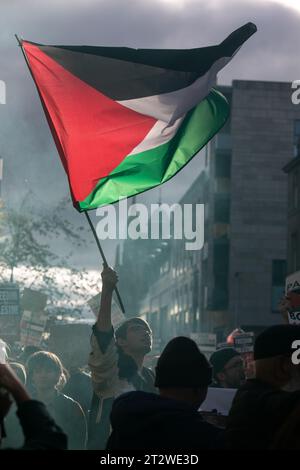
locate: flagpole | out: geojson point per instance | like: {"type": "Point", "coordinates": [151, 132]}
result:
{"type": "Point", "coordinates": [28, 65]}
{"type": "Point", "coordinates": [24, 54]}
{"type": "Point", "coordinates": [103, 256]}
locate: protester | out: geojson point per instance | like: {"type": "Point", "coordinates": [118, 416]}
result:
{"type": "Point", "coordinates": [40, 430]}
{"type": "Point", "coordinates": [288, 303]}
{"type": "Point", "coordinates": [262, 404]}
{"type": "Point", "coordinates": [45, 378]}
{"type": "Point", "coordinates": [79, 387]}
{"type": "Point", "coordinates": [116, 362]}
{"type": "Point", "coordinates": [14, 435]}
{"type": "Point", "coordinates": [170, 420]}
{"type": "Point", "coordinates": [27, 351]}
{"type": "Point", "coordinates": [228, 368]}
{"type": "Point", "coordinates": [79, 383]}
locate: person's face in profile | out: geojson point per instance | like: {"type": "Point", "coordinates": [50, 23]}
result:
{"type": "Point", "coordinates": [138, 339]}
{"type": "Point", "coordinates": [233, 373]}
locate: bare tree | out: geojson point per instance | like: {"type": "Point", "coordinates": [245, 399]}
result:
{"type": "Point", "coordinates": [29, 238]}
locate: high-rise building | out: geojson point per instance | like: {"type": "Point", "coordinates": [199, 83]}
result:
{"type": "Point", "coordinates": [247, 205]}
{"type": "Point", "coordinates": [262, 126]}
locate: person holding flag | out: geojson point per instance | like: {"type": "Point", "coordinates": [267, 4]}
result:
{"type": "Point", "coordinates": [127, 120]}
{"type": "Point", "coordinates": [116, 362]}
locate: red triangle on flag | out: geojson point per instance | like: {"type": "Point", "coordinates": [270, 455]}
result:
{"type": "Point", "coordinates": [85, 123]}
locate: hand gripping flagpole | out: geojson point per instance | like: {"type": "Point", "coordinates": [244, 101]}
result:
{"type": "Point", "coordinates": [105, 264]}
{"type": "Point", "coordinates": [86, 213]}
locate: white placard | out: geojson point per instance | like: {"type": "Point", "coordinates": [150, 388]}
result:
{"type": "Point", "coordinates": [219, 399]}
{"type": "Point", "coordinates": [294, 318]}
{"type": "Point", "coordinates": [3, 353]}
{"type": "Point", "coordinates": [291, 281]}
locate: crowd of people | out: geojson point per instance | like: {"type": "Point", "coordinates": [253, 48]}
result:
{"type": "Point", "coordinates": [121, 404]}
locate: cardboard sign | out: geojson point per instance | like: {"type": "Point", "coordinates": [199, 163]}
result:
{"type": "Point", "coordinates": [294, 318]}
{"type": "Point", "coordinates": [222, 345]}
{"type": "Point", "coordinates": [292, 281]}
{"type": "Point", "coordinates": [9, 299]}
{"type": "Point", "coordinates": [117, 316]}
{"type": "Point", "coordinates": [9, 312]}
{"type": "Point", "coordinates": [32, 327]}
{"type": "Point", "coordinates": [94, 304]}
{"type": "Point", "coordinates": [33, 301]}
{"type": "Point", "coordinates": [244, 342]}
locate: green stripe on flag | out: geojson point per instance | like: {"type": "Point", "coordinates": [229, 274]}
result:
{"type": "Point", "coordinates": [140, 172]}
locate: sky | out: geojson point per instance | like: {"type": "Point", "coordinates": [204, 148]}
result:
{"type": "Point", "coordinates": [30, 157]}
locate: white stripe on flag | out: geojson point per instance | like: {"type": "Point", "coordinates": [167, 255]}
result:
{"type": "Point", "coordinates": [168, 107]}
{"type": "Point", "coordinates": [158, 135]}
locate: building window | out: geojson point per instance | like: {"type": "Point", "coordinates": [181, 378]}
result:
{"type": "Point", "coordinates": [297, 138]}
{"type": "Point", "coordinates": [186, 295]}
{"type": "Point", "coordinates": [278, 272]}
{"type": "Point", "coordinates": [278, 282]}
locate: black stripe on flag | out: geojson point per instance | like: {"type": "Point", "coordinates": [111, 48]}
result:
{"type": "Point", "coordinates": [122, 73]}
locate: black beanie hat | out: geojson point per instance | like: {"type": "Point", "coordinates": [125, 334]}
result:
{"type": "Point", "coordinates": [219, 359]}
{"type": "Point", "coordinates": [276, 341]}
{"type": "Point", "coordinates": [182, 364]}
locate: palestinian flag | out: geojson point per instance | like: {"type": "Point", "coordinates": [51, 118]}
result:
{"type": "Point", "coordinates": [126, 120]}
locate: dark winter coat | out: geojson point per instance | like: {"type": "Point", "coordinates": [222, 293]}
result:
{"type": "Point", "coordinates": [257, 413]}
{"type": "Point", "coordinates": [150, 422]}
{"type": "Point", "coordinates": [39, 429]}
